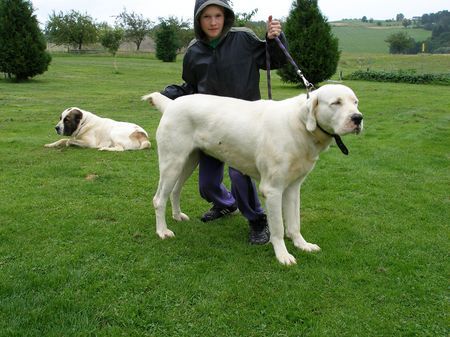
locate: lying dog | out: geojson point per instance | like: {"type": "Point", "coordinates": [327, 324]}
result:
{"type": "Point", "coordinates": [277, 143]}
{"type": "Point", "coordinates": [89, 130]}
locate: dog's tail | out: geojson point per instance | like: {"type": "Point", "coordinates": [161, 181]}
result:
{"type": "Point", "coordinates": [157, 99]}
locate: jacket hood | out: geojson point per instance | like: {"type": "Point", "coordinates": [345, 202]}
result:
{"type": "Point", "coordinates": [200, 5]}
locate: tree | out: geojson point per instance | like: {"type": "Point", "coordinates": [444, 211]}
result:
{"type": "Point", "coordinates": [183, 31]}
{"type": "Point", "coordinates": [399, 17]}
{"type": "Point", "coordinates": [364, 19]}
{"type": "Point", "coordinates": [243, 19]}
{"type": "Point", "coordinates": [111, 38]}
{"type": "Point", "coordinates": [135, 27]}
{"type": "Point", "coordinates": [166, 42]}
{"type": "Point", "coordinates": [311, 44]}
{"type": "Point", "coordinates": [22, 45]}
{"type": "Point", "coordinates": [400, 43]}
{"type": "Point", "coordinates": [73, 28]}
{"type": "Point", "coordinates": [406, 23]}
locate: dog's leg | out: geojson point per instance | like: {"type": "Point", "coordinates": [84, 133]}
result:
{"type": "Point", "coordinates": [169, 172]}
{"type": "Point", "coordinates": [160, 202]}
{"type": "Point", "coordinates": [273, 204]}
{"type": "Point", "coordinates": [61, 142]}
{"type": "Point", "coordinates": [291, 213]}
{"type": "Point", "coordinates": [75, 142]}
{"type": "Point", "coordinates": [116, 148]}
{"type": "Point", "coordinates": [189, 167]}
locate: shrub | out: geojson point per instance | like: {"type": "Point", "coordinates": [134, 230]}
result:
{"type": "Point", "coordinates": [22, 44]}
{"type": "Point", "coordinates": [404, 76]}
{"type": "Point", "coordinates": [166, 42]}
{"type": "Point", "coordinates": [400, 43]}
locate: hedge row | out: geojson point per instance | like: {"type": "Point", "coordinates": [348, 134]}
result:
{"type": "Point", "coordinates": [400, 76]}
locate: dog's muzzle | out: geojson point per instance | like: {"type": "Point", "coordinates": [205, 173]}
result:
{"type": "Point", "coordinates": [357, 121]}
{"type": "Point", "coordinates": [58, 130]}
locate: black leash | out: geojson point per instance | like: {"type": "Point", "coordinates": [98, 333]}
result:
{"type": "Point", "coordinates": [309, 87]}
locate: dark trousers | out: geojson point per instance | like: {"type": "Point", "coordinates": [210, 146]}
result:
{"type": "Point", "coordinates": [243, 190]}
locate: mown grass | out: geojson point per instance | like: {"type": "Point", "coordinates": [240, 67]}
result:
{"type": "Point", "coordinates": [79, 257]}
{"type": "Point", "coordinates": [369, 38]}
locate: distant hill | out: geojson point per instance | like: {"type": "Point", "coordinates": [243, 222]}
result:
{"type": "Point", "coordinates": [357, 37]}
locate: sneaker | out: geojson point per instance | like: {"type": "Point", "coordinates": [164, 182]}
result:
{"type": "Point", "coordinates": [259, 231]}
{"type": "Point", "coordinates": [218, 212]}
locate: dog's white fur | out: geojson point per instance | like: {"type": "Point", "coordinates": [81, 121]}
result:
{"type": "Point", "coordinates": [275, 142]}
{"type": "Point", "coordinates": [104, 134]}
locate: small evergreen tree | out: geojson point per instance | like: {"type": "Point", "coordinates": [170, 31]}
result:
{"type": "Point", "coordinates": [311, 44]}
{"type": "Point", "coordinates": [166, 42]}
{"type": "Point", "coordinates": [22, 45]}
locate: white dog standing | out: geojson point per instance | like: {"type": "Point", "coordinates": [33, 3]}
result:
{"type": "Point", "coordinates": [275, 142]}
{"type": "Point", "coordinates": [89, 130]}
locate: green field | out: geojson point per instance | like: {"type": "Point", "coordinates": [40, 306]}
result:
{"type": "Point", "coordinates": [79, 255]}
{"type": "Point", "coordinates": [369, 38]}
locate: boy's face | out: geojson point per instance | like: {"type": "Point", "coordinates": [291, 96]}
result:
{"type": "Point", "coordinates": [212, 20]}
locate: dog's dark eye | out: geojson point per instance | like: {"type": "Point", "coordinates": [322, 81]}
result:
{"type": "Point", "coordinates": [338, 102]}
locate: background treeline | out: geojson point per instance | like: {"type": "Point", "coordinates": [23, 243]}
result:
{"type": "Point", "coordinates": [76, 30]}
{"type": "Point", "coordinates": [438, 43]}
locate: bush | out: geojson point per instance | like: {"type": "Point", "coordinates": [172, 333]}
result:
{"type": "Point", "coordinates": [166, 42]}
{"type": "Point", "coordinates": [403, 76]}
{"type": "Point", "coordinates": [400, 43]}
{"type": "Point", "coordinates": [22, 44]}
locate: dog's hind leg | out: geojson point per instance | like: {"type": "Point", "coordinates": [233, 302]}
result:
{"type": "Point", "coordinates": [273, 197]}
{"type": "Point", "coordinates": [291, 214]}
{"type": "Point", "coordinates": [115, 148]}
{"type": "Point", "coordinates": [170, 171]}
{"type": "Point", "coordinates": [188, 169]}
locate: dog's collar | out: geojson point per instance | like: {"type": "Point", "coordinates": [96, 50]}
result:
{"type": "Point", "coordinates": [337, 138]}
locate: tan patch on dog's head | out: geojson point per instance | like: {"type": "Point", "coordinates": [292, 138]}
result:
{"type": "Point", "coordinates": [138, 136]}
{"type": "Point", "coordinates": [141, 138]}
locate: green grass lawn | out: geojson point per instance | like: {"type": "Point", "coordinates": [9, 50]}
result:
{"type": "Point", "coordinates": [370, 38]}
{"type": "Point", "coordinates": [79, 255]}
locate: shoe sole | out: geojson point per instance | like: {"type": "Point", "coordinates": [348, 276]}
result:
{"type": "Point", "coordinates": [220, 217]}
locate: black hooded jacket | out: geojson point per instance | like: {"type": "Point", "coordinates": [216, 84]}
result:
{"type": "Point", "coordinates": [230, 69]}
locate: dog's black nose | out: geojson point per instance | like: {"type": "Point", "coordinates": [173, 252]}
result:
{"type": "Point", "coordinates": [357, 118]}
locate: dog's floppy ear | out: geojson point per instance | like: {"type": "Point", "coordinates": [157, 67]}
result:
{"type": "Point", "coordinates": [311, 105]}
{"type": "Point", "coordinates": [77, 115]}
{"type": "Point", "coordinates": [72, 121]}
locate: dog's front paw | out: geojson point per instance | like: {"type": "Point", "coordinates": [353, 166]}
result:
{"type": "Point", "coordinates": [307, 247]}
{"type": "Point", "coordinates": [164, 234]}
{"type": "Point", "coordinates": [287, 259]}
{"type": "Point", "coordinates": [180, 217]}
